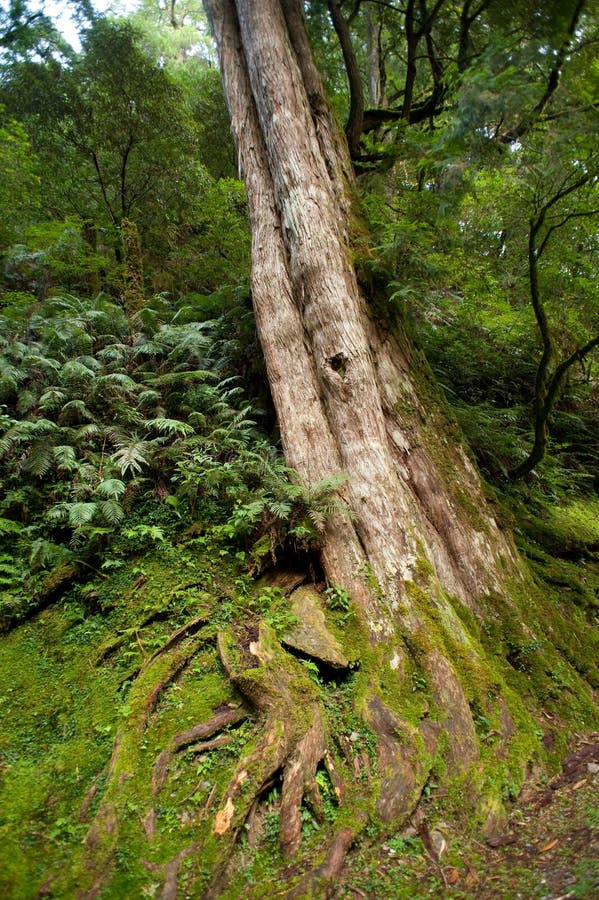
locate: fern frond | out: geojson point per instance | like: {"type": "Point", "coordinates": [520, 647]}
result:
{"type": "Point", "coordinates": [52, 399]}
{"type": "Point", "coordinates": [170, 427]}
{"type": "Point", "coordinates": [8, 526]}
{"type": "Point", "coordinates": [327, 485]}
{"type": "Point", "coordinates": [318, 519]}
{"type": "Point", "coordinates": [123, 383]}
{"type": "Point", "coordinates": [75, 411]}
{"type": "Point", "coordinates": [44, 553]}
{"type": "Point", "coordinates": [40, 458]}
{"type": "Point", "coordinates": [280, 509]}
{"type": "Point", "coordinates": [148, 396]}
{"type": "Point", "coordinates": [114, 353]}
{"type": "Point", "coordinates": [65, 458]}
{"type": "Point", "coordinates": [81, 514]}
{"type": "Point", "coordinates": [132, 457]}
{"type": "Point", "coordinates": [110, 489]}
{"type": "Point", "coordinates": [112, 511]}
{"type": "Point", "coordinates": [58, 513]}
{"type": "Point", "coordinates": [87, 432]}
{"type": "Point", "coordinates": [76, 372]}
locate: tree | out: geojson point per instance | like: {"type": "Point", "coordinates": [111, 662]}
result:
{"type": "Point", "coordinates": [560, 205]}
{"type": "Point", "coordinates": [410, 616]}
{"type": "Point", "coordinates": [122, 134]}
{"type": "Point", "coordinates": [430, 574]}
{"type": "Point", "coordinates": [19, 182]}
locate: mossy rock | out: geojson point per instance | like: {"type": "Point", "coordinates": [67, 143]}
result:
{"type": "Point", "coordinates": [310, 634]}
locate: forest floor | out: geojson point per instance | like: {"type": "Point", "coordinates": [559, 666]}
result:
{"type": "Point", "coordinates": [549, 849]}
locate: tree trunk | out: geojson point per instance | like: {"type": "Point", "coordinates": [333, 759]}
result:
{"type": "Point", "coordinates": [428, 570]}
{"type": "Point", "coordinates": [376, 69]}
{"type": "Point", "coordinates": [134, 274]}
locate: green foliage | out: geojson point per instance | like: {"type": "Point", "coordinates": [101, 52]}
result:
{"type": "Point", "coordinates": [98, 416]}
{"type": "Point", "coordinates": [19, 180]}
{"type": "Point", "coordinates": [118, 137]}
{"type": "Point", "coordinates": [249, 479]}
{"type": "Point", "coordinates": [103, 414]}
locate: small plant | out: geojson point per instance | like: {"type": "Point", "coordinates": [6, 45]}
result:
{"type": "Point", "coordinates": [406, 845]}
{"type": "Point", "coordinates": [418, 682]}
{"type": "Point", "coordinates": [338, 598]}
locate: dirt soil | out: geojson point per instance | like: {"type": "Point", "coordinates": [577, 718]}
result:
{"type": "Point", "coordinates": [549, 849]}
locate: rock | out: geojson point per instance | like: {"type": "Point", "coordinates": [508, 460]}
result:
{"type": "Point", "coordinates": [439, 843]}
{"type": "Point", "coordinates": [310, 634]}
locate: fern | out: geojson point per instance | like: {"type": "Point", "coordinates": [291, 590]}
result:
{"type": "Point", "coordinates": [132, 457]}
{"type": "Point", "coordinates": [40, 458]}
{"type": "Point", "coordinates": [327, 486]}
{"type": "Point", "coordinates": [281, 509]}
{"type": "Point", "coordinates": [170, 427]}
{"type": "Point", "coordinates": [52, 400]}
{"type": "Point", "coordinates": [114, 382]}
{"type": "Point", "coordinates": [44, 554]}
{"type": "Point", "coordinates": [7, 526]}
{"type": "Point", "coordinates": [318, 519]}
{"type": "Point", "coordinates": [110, 489]}
{"type": "Point", "coordinates": [111, 511]}
{"type": "Point", "coordinates": [75, 411]}
{"type": "Point", "coordinates": [148, 396]}
{"type": "Point", "coordinates": [65, 458]}
{"type": "Point", "coordinates": [58, 514]}
{"type": "Point", "coordinates": [77, 372]}
{"type": "Point", "coordinates": [81, 514]}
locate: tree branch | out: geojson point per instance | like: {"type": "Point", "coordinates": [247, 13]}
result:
{"type": "Point", "coordinates": [353, 129]}
{"type": "Point", "coordinates": [577, 215]}
{"type": "Point", "coordinates": [553, 79]}
{"type": "Point", "coordinates": [102, 184]}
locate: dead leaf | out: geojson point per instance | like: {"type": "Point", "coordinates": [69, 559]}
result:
{"type": "Point", "coordinates": [224, 817]}
{"type": "Point", "coordinates": [501, 840]}
{"type": "Point", "coordinates": [472, 878]}
{"type": "Point", "coordinates": [579, 784]}
{"type": "Point", "coordinates": [425, 837]}
{"type": "Point", "coordinates": [549, 846]}
{"type": "Point", "coordinates": [453, 876]}
{"type": "Point", "coordinates": [148, 823]}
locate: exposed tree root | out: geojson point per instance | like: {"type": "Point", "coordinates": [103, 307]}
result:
{"type": "Point", "coordinates": [185, 631]}
{"type": "Point", "coordinates": [189, 628]}
{"type": "Point", "coordinates": [228, 715]}
{"type": "Point", "coordinates": [293, 741]}
{"type": "Point", "coordinates": [329, 869]}
{"type": "Point", "coordinates": [171, 873]}
{"type": "Point", "coordinates": [52, 588]}
{"type": "Point", "coordinates": [156, 674]}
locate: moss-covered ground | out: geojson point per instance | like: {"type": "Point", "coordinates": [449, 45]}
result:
{"type": "Point", "coordinates": [549, 848]}
{"type": "Point", "coordinates": [71, 684]}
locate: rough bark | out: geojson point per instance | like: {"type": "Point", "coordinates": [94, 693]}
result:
{"type": "Point", "coordinates": [134, 276]}
{"type": "Point", "coordinates": [352, 396]}
{"type": "Point", "coordinates": [346, 395]}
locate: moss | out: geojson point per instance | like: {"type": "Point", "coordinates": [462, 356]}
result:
{"type": "Point", "coordinates": [133, 260]}
{"type": "Point", "coordinates": [61, 713]}
{"type": "Point", "coordinates": [423, 570]}
{"type": "Point", "coordinates": [465, 615]}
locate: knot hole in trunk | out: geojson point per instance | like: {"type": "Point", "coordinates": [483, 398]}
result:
{"type": "Point", "coordinates": [338, 363]}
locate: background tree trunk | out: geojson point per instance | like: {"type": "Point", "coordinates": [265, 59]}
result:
{"type": "Point", "coordinates": [419, 550]}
